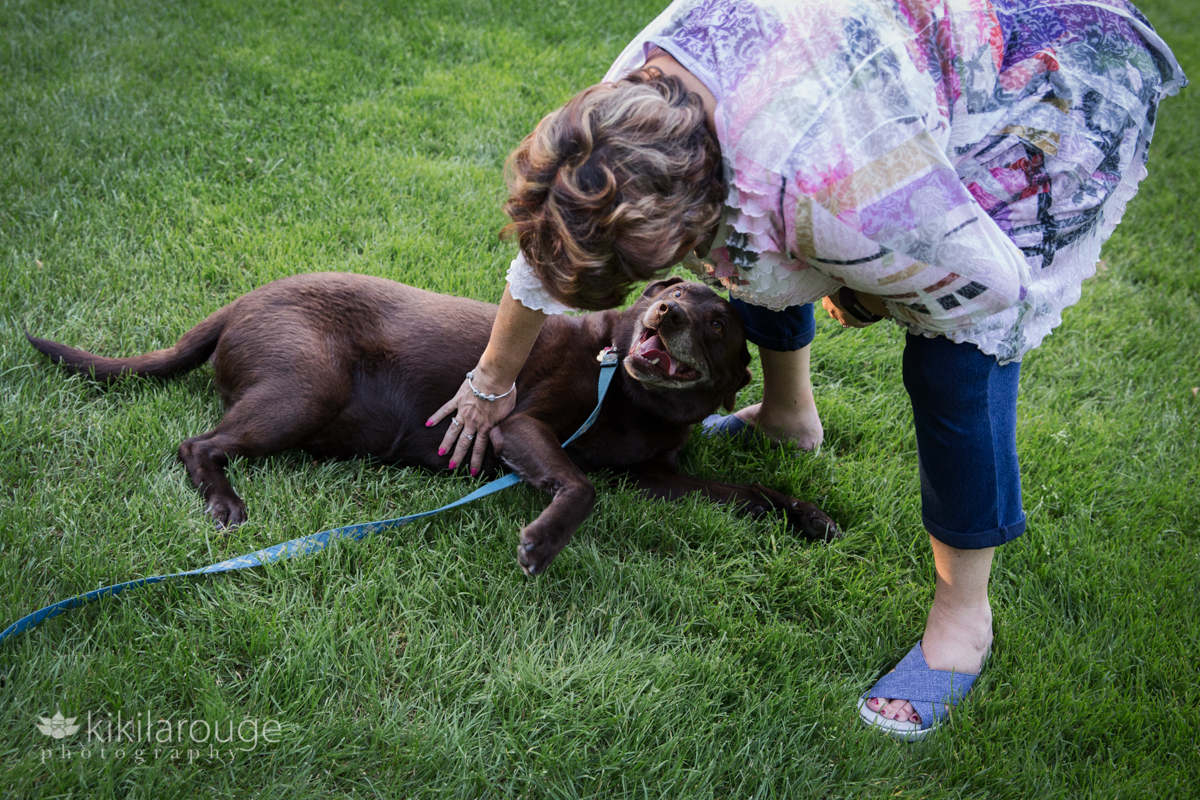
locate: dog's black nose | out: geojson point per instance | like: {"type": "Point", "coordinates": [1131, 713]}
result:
{"type": "Point", "coordinates": [669, 312]}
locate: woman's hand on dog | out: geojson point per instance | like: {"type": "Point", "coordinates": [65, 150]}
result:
{"type": "Point", "coordinates": [514, 331]}
{"type": "Point", "coordinates": [473, 420]}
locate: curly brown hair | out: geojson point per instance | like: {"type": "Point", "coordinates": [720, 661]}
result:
{"type": "Point", "coordinates": [614, 188]}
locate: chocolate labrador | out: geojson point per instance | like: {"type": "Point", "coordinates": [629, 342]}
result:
{"type": "Point", "coordinates": [350, 366]}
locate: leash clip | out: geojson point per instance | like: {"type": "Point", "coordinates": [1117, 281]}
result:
{"type": "Point", "coordinates": [607, 357]}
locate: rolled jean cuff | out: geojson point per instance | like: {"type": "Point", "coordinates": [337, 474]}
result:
{"type": "Point", "coordinates": [975, 541]}
{"type": "Point", "coordinates": [793, 328]}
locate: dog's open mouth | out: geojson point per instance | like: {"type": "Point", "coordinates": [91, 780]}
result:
{"type": "Point", "coordinates": [651, 352]}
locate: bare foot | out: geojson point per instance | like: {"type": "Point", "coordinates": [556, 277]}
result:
{"type": "Point", "coordinates": [802, 427]}
{"type": "Point", "coordinates": [953, 640]}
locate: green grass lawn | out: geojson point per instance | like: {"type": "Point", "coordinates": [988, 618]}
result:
{"type": "Point", "coordinates": [159, 159]}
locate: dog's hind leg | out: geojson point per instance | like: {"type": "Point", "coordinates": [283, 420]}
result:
{"type": "Point", "coordinates": [660, 478]}
{"type": "Point", "coordinates": [264, 420]}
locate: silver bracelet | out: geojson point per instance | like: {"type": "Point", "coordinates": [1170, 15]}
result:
{"type": "Point", "coordinates": [491, 398]}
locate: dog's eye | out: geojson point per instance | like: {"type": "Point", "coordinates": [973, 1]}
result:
{"type": "Point", "coordinates": [678, 293]}
{"type": "Point", "coordinates": [718, 326]}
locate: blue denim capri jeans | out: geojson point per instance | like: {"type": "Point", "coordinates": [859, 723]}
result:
{"type": "Point", "coordinates": [965, 413]}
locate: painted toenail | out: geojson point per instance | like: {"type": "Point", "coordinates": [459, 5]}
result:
{"type": "Point", "coordinates": [914, 718]}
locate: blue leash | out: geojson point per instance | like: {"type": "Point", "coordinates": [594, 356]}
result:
{"type": "Point", "coordinates": [313, 543]}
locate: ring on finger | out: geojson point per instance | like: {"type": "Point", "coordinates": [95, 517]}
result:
{"type": "Point", "coordinates": [470, 437]}
{"type": "Point", "coordinates": [455, 421]}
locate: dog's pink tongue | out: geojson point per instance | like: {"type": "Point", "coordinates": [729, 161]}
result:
{"type": "Point", "coordinates": [653, 351]}
{"type": "Point", "coordinates": [653, 344]}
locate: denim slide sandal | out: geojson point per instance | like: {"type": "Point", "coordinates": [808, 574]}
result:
{"type": "Point", "coordinates": [732, 425]}
{"type": "Point", "coordinates": [932, 692]}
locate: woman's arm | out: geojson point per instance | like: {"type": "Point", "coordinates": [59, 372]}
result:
{"type": "Point", "coordinates": [870, 302]}
{"type": "Point", "coordinates": [513, 333]}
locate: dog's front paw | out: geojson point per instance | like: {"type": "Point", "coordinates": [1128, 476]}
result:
{"type": "Point", "coordinates": [228, 512]}
{"type": "Point", "coordinates": [534, 553]}
{"type": "Point", "coordinates": [811, 522]}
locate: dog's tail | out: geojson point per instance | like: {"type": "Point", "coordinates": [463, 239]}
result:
{"type": "Point", "coordinates": [192, 350]}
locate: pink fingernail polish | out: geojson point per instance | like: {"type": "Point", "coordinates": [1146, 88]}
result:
{"type": "Point", "coordinates": [474, 472]}
{"type": "Point", "coordinates": [453, 465]}
{"type": "Point", "coordinates": [428, 422]}
{"type": "Point", "coordinates": [441, 451]}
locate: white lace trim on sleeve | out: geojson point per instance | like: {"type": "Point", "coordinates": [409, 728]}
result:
{"type": "Point", "coordinates": [526, 288]}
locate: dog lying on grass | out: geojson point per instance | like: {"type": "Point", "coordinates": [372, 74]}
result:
{"type": "Point", "coordinates": [348, 366]}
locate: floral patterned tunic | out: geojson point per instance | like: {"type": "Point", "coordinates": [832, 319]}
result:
{"type": "Point", "coordinates": [962, 159]}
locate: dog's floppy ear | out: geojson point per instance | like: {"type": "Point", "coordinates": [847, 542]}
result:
{"type": "Point", "coordinates": [730, 402]}
{"type": "Point", "coordinates": [655, 287]}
